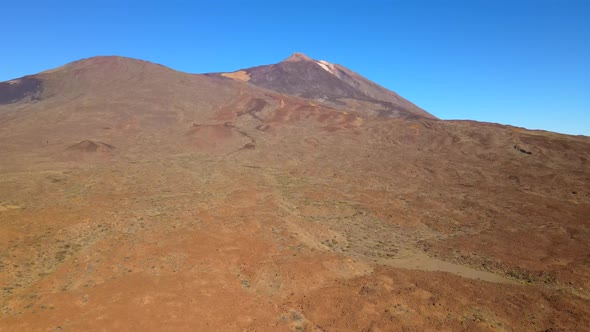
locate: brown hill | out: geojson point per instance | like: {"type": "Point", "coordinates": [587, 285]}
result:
{"type": "Point", "coordinates": [88, 150]}
{"type": "Point", "coordinates": [310, 214]}
{"type": "Point", "coordinates": [88, 146]}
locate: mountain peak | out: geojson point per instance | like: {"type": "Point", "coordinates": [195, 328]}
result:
{"type": "Point", "coordinates": [302, 76]}
{"type": "Point", "coordinates": [297, 57]}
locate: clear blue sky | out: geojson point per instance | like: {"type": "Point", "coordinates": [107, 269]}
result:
{"type": "Point", "coordinates": [525, 63]}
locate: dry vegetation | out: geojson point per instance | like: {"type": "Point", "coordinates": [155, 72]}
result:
{"type": "Point", "coordinates": [168, 201]}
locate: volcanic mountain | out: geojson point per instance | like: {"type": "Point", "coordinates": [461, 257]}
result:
{"type": "Point", "coordinates": [294, 196]}
{"type": "Point", "coordinates": [319, 80]}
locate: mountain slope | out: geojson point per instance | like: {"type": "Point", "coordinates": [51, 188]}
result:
{"type": "Point", "coordinates": [130, 100]}
{"type": "Point", "coordinates": [320, 80]}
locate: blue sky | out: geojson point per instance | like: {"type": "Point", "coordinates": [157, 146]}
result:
{"type": "Point", "coordinates": [525, 63]}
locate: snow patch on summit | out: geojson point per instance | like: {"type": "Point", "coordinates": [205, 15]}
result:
{"type": "Point", "coordinates": [327, 67]}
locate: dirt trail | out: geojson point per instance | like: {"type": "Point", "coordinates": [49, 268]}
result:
{"type": "Point", "coordinates": [415, 260]}
{"type": "Point", "coordinates": [344, 228]}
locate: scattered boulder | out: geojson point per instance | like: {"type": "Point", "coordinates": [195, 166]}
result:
{"type": "Point", "coordinates": [519, 149]}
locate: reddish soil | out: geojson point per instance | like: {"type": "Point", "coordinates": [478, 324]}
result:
{"type": "Point", "coordinates": [226, 207]}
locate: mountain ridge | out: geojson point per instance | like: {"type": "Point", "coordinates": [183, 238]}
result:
{"type": "Point", "coordinates": [298, 75]}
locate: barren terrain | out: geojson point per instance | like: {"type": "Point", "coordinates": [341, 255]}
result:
{"type": "Point", "coordinates": [136, 197]}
